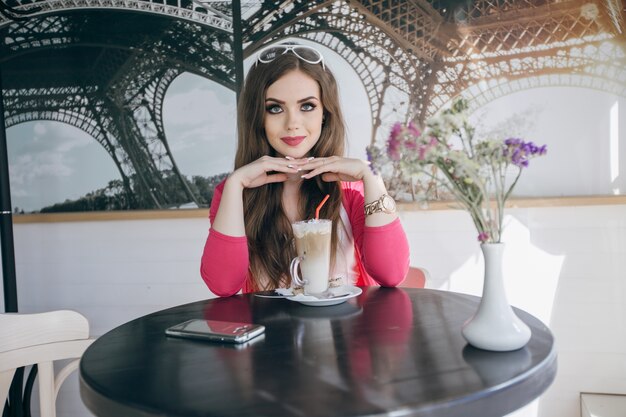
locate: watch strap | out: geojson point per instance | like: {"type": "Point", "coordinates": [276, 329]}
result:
{"type": "Point", "coordinates": [376, 206]}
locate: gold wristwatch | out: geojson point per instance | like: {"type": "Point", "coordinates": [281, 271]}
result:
{"type": "Point", "coordinates": [385, 204]}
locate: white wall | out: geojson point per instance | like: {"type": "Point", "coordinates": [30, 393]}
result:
{"type": "Point", "coordinates": [563, 264]}
{"type": "Point", "coordinates": [110, 271]}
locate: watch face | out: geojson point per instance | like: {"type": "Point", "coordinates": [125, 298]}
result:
{"type": "Point", "coordinates": [388, 203]}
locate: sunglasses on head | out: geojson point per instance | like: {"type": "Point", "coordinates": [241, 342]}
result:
{"type": "Point", "coordinates": [303, 52]}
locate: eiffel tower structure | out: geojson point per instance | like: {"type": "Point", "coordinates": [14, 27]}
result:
{"type": "Point", "coordinates": [104, 66]}
{"type": "Point", "coordinates": [415, 56]}
{"type": "Point", "coordinates": [106, 71]}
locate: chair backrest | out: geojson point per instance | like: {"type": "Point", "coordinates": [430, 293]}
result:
{"type": "Point", "coordinates": [415, 278]}
{"type": "Point", "coordinates": [41, 339]}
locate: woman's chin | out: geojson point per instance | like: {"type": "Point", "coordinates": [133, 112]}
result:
{"type": "Point", "coordinates": [296, 152]}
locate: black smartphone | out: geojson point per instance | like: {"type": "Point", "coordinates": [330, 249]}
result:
{"type": "Point", "coordinates": [219, 331]}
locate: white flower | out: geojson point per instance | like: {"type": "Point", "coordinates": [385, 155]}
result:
{"type": "Point", "coordinates": [474, 172]}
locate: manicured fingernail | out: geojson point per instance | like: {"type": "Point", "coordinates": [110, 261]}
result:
{"type": "Point", "coordinates": [310, 158]}
{"type": "Point", "coordinates": [289, 158]}
{"type": "Point", "coordinates": [290, 166]}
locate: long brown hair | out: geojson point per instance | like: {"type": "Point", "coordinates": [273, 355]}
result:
{"type": "Point", "coordinates": [267, 227]}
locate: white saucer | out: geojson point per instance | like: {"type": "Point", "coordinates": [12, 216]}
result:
{"type": "Point", "coordinates": [337, 312]}
{"type": "Point", "coordinates": [310, 300]}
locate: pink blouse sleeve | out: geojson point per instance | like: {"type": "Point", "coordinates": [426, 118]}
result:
{"type": "Point", "coordinates": [385, 253]}
{"type": "Point", "coordinates": [224, 264]}
{"type": "Point", "coordinates": [384, 249]}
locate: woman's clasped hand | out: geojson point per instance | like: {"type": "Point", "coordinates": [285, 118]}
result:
{"type": "Point", "coordinates": [269, 169]}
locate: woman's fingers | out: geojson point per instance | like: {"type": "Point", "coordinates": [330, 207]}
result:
{"type": "Point", "coordinates": [269, 163]}
{"type": "Point", "coordinates": [269, 169]}
{"type": "Point", "coordinates": [265, 170]}
{"type": "Point", "coordinates": [317, 166]}
{"type": "Point", "coordinates": [335, 168]}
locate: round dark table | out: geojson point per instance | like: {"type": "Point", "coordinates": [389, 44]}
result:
{"type": "Point", "coordinates": [389, 351]}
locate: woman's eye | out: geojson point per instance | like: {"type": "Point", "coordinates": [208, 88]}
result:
{"type": "Point", "coordinates": [308, 107]}
{"type": "Point", "coordinates": [273, 109]}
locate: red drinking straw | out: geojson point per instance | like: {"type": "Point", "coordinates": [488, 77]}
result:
{"type": "Point", "coordinates": [317, 210]}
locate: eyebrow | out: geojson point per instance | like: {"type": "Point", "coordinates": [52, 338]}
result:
{"type": "Point", "coordinates": [302, 100]}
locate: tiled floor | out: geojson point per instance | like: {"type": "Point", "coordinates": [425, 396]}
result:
{"type": "Point", "coordinates": [602, 405]}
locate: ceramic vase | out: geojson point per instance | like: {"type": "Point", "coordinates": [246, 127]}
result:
{"type": "Point", "coordinates": [495, 326]}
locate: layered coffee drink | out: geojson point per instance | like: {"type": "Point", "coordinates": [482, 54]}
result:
{"type": "Point", "coordinates": [312, 239]}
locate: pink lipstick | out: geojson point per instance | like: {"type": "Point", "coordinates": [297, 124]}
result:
{"type": "Point", "coordinates": [293, 140]}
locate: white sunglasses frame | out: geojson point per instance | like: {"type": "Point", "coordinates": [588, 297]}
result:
{"type": "Point", "coordinates": [291, 48]}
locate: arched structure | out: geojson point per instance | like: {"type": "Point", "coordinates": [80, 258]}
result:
{"type": "Point", "coordinates": [106, 71]}
{"type": "Point", "coordinates": [413, 57]}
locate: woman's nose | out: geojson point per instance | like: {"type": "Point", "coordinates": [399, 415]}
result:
{"type": "Point", "coordinates": [293, 121]}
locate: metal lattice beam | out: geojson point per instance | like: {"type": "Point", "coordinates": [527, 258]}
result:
{"type": "Point", "coordinates": [192, 11]}
{"type": "Point", "coordinates": [78, 70]}
{"type": "Point", "coordinates": [501, 42]}
{"type": "Point", "coordinates": [393, 76]}
{"type": "Point", "coordinates": [412, 56]}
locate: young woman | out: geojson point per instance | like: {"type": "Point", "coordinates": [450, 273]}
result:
{"type": "Point", "coordinates": [291, 139]}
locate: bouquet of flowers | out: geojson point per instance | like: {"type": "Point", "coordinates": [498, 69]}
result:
{"type": "Point", "coordinates": [480, 174]}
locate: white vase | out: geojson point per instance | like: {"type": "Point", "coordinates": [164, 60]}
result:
{"type": "Point", "coordinates": [495, 326]}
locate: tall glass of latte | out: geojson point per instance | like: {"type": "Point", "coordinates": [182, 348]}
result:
{"type": "Point", "coordinates": [313, 248]}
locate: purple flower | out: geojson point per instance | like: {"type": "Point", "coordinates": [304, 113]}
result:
{"type": "Point", "coordinates": [393, 149]}
{"type": "Point", "coordinates": [483, 237]}
{"type": "Point", "coordinates": [396, 130]}
{"type": "Point", "coordinates": [372, 157]}
{"type": "Point", "coordinates": [520, 152]}
{"type": "Point", "coordinates": [414, 130]}
{"type": "Point", "coordinates": [393, 143]}
{"type": "Point", "coordinates": [423, 149]}
{"type": "Point", "coordinates": [512, 142]}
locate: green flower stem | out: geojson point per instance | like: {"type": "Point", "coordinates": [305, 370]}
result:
{"type": "Point", "coordinates": [499, 176]}
{"type": "Point", "coordinates": [475, 210]}
{"type": "Point", "coordinates": [475, 174]}
{"type": "Point", "coordinates": [519, 173]}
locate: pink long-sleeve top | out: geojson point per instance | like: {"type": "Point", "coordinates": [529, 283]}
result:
{"type": "Point", "coordinates": [381, 254]}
